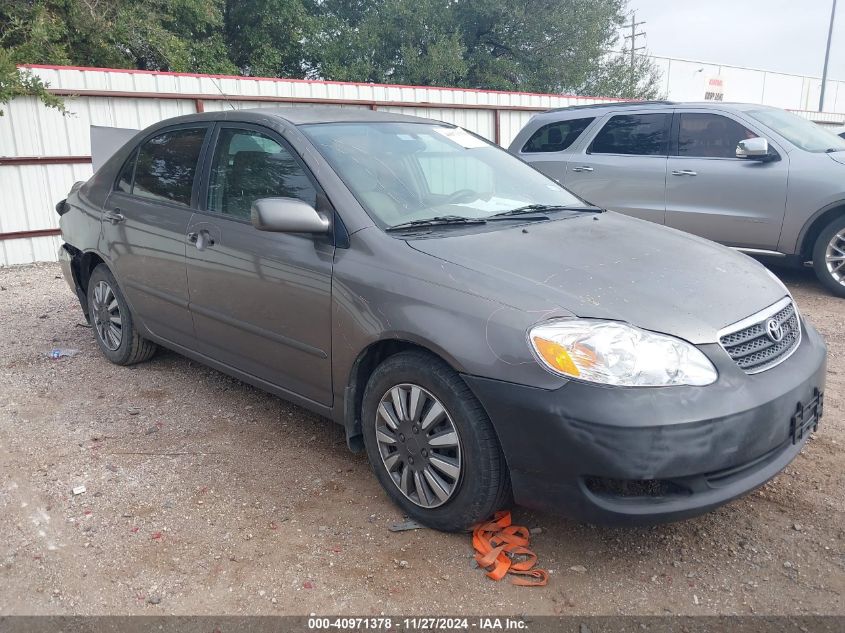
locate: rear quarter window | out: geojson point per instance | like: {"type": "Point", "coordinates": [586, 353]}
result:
{"type": "Point", "coordinates": [557, 136]}
{"type": "Point", "coordinates": [124, 181]}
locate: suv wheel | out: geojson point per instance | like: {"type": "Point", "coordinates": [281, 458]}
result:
{"type": "Point", "coordinates": [829, 256]}
{"type": "Point", "coordinates": [431, 444]}
{"type": "Point", "coordinates": [114, 328]}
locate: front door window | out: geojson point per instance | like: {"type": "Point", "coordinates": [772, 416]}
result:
{"type": "Point", "coordinates": [247, 166]}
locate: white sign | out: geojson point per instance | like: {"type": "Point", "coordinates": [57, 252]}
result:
{"type": "Point", "coordinates": [714, 89]}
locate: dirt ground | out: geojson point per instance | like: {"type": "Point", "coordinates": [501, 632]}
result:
{"type": "Point", "coordinates": [205, 495]}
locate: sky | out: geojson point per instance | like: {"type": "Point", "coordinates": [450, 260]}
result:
{"type": "Point", "coordinates": [780, 35]}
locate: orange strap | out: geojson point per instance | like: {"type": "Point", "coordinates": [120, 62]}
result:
{"type": "Point", "coordinates": [502, 549]}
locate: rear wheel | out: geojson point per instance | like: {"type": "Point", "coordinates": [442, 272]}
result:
{"type": "Point", "coordinates": [111, 320]}
{"type": "Point", "coordinates": [431, 445]}
{"type": "Point", "coordinates": [829, 256]}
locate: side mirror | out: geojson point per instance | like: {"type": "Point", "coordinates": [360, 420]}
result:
{"type": "Point", "coordinates": [287, 215]}
{"type": "Point", "coordinates": [754, 148]}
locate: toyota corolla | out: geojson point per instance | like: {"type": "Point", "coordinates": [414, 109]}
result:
{"type": "Point", "coordinates": [485, 335]}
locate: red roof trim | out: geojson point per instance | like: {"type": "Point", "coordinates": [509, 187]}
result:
{"type": "Point", "coordinates": [309, 81]}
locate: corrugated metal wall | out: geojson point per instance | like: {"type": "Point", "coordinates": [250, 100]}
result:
{"type": "Point", "coordinates": [42, 153]}
{"type": "Point", "coordinates": [684, 80]}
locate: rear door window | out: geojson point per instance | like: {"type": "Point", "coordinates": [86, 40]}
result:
{"type": "Point", "coordinates": [634, 134]}
{"type": "Point", "coordinates": [167, 164]}
{"type": "Point", "coordinates": [710, 135]}
{"type": "Point", "coordinates": [247, 166]}
{"type": "Point", "coordinates": [557, 136]}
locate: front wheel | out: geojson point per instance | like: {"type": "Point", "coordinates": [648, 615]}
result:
{"type": "Point", "coordinates": [829, 256]}
{"type": "Point", "coordinates": [431, 444]}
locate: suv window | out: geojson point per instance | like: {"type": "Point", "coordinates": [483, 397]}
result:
{"type": "Point", "coordinates": [639, 134]}
{"type": "Point", "coordinates": [556, 137]}
{"type": "Point", "coordinates": [710, 135]}
{"type": "Point", "coordinates": [166, 165]}
{"type": "Point", "coordinates": [248, 166]}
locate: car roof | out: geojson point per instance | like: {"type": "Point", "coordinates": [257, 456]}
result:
{"type": "Point", "coordinates": [304, 115]}
{"type": "Point", "coordinates": [639, 105]}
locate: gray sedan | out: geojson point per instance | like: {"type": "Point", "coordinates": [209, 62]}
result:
{"type": "Point", "coordinates": [485, 335]}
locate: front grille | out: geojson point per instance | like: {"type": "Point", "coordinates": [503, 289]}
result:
{"type": "Point", "coordinates": [750, 344]}
{"type": "Point", "coordinates": [626, 488]}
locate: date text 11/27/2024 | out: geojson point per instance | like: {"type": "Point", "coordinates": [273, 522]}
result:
{"type": "Point", "coordinates": [418, 623]}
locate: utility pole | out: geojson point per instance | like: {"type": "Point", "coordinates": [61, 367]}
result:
{"type": "Point", "coordinates": [634, 48]}
{"type": "Point", "coordinates": [827, 55]}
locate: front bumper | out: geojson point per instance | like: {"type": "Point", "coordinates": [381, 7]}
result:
{"type": "Point", "coordinates": [647, 455]}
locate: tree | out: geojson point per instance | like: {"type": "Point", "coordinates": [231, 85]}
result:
{"type": "Point", "coordinates": [23, 38]}
{"type": "Point", "coordinates": [386, 41]}
{"type": "Point", "coordinates": [264, 37]}
{"type": "Point", "coordinates": [534, 45]}
{"type": "Point", "coordinates": [19, 83]}
{"type": "Point", "coordinates": [179, 35]}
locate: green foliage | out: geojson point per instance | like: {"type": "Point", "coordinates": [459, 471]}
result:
{"type": "Point", "coordinates": [534, 45]}
{"type": "Point", "coordinates": [18, 83]}
{"type": "Point", "coordinates": [386, 41]}
{"type": "Point", "coordinates": [264, 37]}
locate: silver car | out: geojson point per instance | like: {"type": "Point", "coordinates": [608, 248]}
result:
{"type": "Point", "coordinates": [482, 333]}
{"type": "Point", "coordinates": [752, 177]}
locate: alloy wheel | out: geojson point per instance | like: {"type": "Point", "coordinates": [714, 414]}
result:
{"type": "Point", "coordinates": [419, 445]}
{"type": "Point", "coordinates": [835, 257]}
{"type": "Point", "coordinates": [107, 318]}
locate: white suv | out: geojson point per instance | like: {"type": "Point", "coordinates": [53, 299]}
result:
{"type": "Point", "coordinates": [749, 176]}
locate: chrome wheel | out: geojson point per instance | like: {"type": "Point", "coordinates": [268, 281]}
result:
{"type": "Point", "coordinates": [419, 445]}
{"type": "Point", "coordinates": [106, 313]}
{"type": "Point", "coordinates": [835, 257]}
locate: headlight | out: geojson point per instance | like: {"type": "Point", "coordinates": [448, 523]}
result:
{"type": "Point", "coordinates": [614, 353]}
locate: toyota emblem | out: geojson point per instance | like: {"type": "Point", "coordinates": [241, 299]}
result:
{"type": "Point", "coordinates": [774, 330]}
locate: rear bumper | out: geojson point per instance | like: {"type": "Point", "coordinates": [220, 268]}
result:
{"type": "Point", "coordinates": [69, 262]}
{"type": "Point", "coordinates": [65, 261]}
{"type": "Point", "coordinates": [648, 455]}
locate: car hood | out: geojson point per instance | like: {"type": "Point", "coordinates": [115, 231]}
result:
{"type": "Point", "coordinates": [610, 266]}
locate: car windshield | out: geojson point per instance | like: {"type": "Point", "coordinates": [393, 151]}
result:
{"type": "Point", "coordinates": [803, 133]}
{"type": "Point", "coordinates": [402, 173]}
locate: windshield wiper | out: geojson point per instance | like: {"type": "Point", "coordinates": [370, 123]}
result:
{"type": "Point", "coordinates": [438, 220]}
{"type": "Point", "coordinates": [534, 208]}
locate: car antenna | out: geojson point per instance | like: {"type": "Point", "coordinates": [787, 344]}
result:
{"type": "Point", "coordinates": [220, 90]}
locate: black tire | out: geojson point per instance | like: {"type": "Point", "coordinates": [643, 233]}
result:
{"type": "Point", "coordinates": [834, 285]}
{"type": "Point", "coordinates": [484, 483]}
{"type": "Point", "coordinates": [132, 348]}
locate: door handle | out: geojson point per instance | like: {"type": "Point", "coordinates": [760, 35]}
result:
{"type": "Point", "coordinates": [202, 239]}
{"type": "Point", "coordinates": [582, 168]}
{"type": "Point", "coordinates": [115, 217]}
{"type": "Point", "coordinates": [684, 172]}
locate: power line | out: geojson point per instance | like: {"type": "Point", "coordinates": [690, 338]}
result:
{"type": "Point", "coordinates": [634, 48]}
{"type": "Point", "coordinates": [827, 55]}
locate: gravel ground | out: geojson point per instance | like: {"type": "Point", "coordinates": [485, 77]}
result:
{"type": "Point", "coordinates": [205, 495]}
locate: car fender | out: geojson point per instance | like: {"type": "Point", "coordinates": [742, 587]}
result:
{"type": "Point", "coordinates": [810, 225]}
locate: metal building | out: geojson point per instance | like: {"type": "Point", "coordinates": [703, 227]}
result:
{"type": "Point", "coordinates": [42, 152]}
